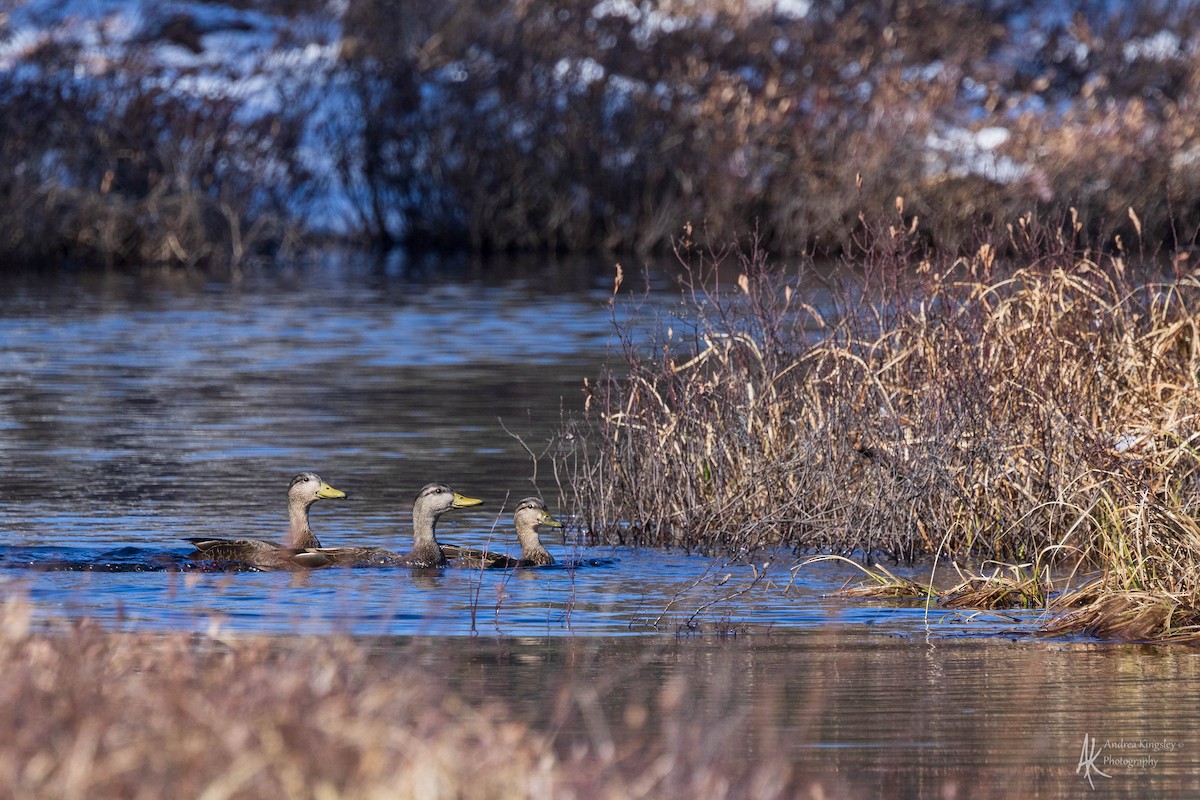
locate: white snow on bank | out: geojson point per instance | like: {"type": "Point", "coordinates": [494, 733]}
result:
{"type": "Point", "coordinates": [793, 9]}
{"type": "Point", "coordinates": [1162, 46]}
{"type": "Point", "coordinates": [193, 49]}
{"type": "Point", "coordinates": [272, 65]}
{"type": "Point", "coordinates": [961, 152]}
{"type": "Point", "coordinates": [205, 53]}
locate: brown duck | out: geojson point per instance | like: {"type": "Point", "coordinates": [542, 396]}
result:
{"type": "Point", "coordinates": [528, 516]}
{"type": "Point", "coordinates": [432, 501]}
{"type": "Point", "coordinates": [305, 489]}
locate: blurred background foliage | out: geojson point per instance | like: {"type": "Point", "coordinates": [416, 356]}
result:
{"type": "Point", "coordinates": [596, 125]}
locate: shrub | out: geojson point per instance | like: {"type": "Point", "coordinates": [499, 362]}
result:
{"type": "Point", "coordinates": [1035, 401]}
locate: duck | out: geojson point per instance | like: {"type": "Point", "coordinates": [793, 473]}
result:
{"type": "Point", "coordinates": [432, 501]}
{"type": "Point", "coordinates": [529, 514]}
{"type": "Point", "coordinates": [304, 490]}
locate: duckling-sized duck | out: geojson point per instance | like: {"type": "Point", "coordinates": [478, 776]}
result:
{"type": "Point", "coordinates": [529, 514]}
{"type": "Point", "coordinates": [432, 501]}
{"type": "Point", "coordinates": [305, 489]}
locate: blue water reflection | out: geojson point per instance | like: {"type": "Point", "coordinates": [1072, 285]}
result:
{"type": "Point", "coordinates": [591, 591]}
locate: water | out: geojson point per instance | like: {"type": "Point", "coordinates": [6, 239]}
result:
{"type": "Point", "coordinates": [137, 411]}
{"type": "Point", "coordinates": [860, 713]}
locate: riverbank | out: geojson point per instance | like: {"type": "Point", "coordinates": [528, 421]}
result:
{"type": "Point", "coordinates": [211, 134]}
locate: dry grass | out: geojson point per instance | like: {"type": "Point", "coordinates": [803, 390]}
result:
{"type": "Point", "coordinates": [1034, 403]}
{"type": "Point", "coordinates": [92, 714]}
{"type": "Point", "coordinates": [880, 583]}
{"type": "Point", "coordinates": [1107, 613]}
{"type": "Point", "coordinates": [1006, 586]}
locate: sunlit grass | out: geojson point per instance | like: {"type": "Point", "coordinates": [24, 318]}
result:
{"type": "Point", "coordinates": [1034, 403]}
{"type": "Point", "coordinates": [89, 713]}
{"type": "Point", "coordinates": [880, 581]}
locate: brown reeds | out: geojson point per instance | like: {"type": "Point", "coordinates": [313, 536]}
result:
{"type": "Point", "coordinates": [1034, 402]}
{"type": "Point", "coordinates": [86, 713]}
{"type": "Point", "coordinates": [1109, 612]}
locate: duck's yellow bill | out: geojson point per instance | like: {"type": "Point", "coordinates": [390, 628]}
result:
{"type": "Point", "coordinates": [327, 492]}
{"type": "Point", "coordinates": [463, 502]}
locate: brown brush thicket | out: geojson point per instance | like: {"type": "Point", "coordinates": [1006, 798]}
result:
{"type": "Point", "coordinates": [1034, 402]}
{"type": "Point", "coordinates": [582, 125]}
{"type": "Point", "coordinates": [565, 126]}
{"type": "Point", "coordinates": [118, 171]}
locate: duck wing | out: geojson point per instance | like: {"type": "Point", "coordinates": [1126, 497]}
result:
{"type": "Point", "coordinates": [473, 558]}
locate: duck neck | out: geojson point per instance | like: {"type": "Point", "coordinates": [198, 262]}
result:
{"type": "Point", "coordinates": [531, 545]}
{"type": "Point", "coordinates": [301, 535]}
{"type": "Point", "coordinates": [425, 544]}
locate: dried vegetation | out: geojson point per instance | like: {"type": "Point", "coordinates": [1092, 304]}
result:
{"type": "Point", "coordinates": [88, 713]}
{"type": "Point", "coordinates": [1035, 403]}
{"type": "Point", "coordinates": [582, 125]}
{"type": "Point", "coordinates": [92, 714]}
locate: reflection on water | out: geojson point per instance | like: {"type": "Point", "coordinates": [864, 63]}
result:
{"type": "Point", "coordinates": [137, 412]}
{"type": "Point", "coordinates": [127, 412]}
{"type": "Point", "coordinates": [607, 591]}
{"type": "Point", "coordinates": [860, 714]}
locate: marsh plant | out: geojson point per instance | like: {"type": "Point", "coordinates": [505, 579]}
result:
{"type": "Point", "coordinates": [1032, 402]}
{"type": "Point", "coordinates": [91, 713]}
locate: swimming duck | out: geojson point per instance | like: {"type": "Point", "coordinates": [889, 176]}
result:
{"type": "Point", "coordinates": [305, 489]}
{"type": "Point", "coordinates": [529, 514]}
{"type": "Point", "coordinates": [432, 501]}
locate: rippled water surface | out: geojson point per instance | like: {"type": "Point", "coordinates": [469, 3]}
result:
{"type": "Point", "coordinates": [138, 411]}
{"type": "Point", "coordinates": [861, 712]}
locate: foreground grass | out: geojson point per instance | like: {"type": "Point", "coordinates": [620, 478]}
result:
{"type": "Point", "coordinates": [1035, 403]}
{"type": "Point", "coordinates": [92, 714]}
{"type": "Point", "coordinates": [89, 713]}
{"type": "Point", "coordinates": [823, 713]}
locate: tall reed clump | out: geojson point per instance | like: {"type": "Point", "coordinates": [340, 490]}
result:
{"type": "Point", "coordinates": [1033, 401]}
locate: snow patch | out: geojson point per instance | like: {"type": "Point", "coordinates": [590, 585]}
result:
{"type": "Point", "coordinates": [960, 152]}
{"type": "Point", "coordinates": [1162, 46]}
